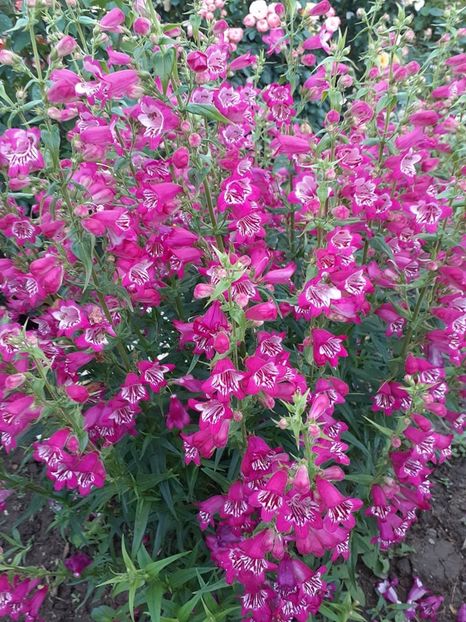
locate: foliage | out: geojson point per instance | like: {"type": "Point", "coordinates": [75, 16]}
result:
{"type": "Point", "coordinates": [220, 319]}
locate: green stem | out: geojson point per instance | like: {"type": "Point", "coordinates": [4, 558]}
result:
{"type": "Point", "coordinates": [213, 220]}
{"type": "Point", "coordinates": [35, 52]}
{"type": "Point", "coordinates": [120, 347]}
{"type": "Point", "coordinates": [308, 453]}
{"type": "Point", "coordinates": [414, 318]}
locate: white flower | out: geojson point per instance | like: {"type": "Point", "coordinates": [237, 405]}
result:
{"type": "Point", "coordinates": [258, 9]}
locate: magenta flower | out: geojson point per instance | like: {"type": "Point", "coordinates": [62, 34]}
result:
{"type": "Point", "coordinates": [77, 563]}
{"type": "Point", "coordinates": [21, 599]}
{"type": "Point", "coordinates": [112, 20]}
{"type": "Point", "coordinates": [225, 380]}
{"type": "Point", "coordinates": [19, 152]}
{"type": "Point", "coordinates": [339, 509]}
{"type": "Point", "coordinates": [327, 348]}
{"type": "Point", "coordinates": [177, 415]}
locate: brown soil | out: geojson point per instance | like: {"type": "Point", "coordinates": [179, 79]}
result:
{"type": "Point", "coordinates": [47, 550]}
{"type": "Point", "coordinates": [438, 543]}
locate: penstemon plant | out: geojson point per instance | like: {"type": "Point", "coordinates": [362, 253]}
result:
{"type": "Point", "coordinates": [221, 317]}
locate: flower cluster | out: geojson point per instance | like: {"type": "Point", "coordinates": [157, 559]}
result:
{"type": "Point", "coordinates": [200, 268]}
{"type": "Point", "coordinates": [423, 604]}
{"type": "Point", "coordinates": [271, 509]}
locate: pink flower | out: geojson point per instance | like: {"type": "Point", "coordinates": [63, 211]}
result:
{"type": "Point", "coordinates": [63, 87]}
{"type": "Point", "coordinates": [318, 297]}
{"type": "Point", "coordinates": [19, 151]}
{"type": "Point", "coordinates": [224, 381]}
{"type": "Point", "coordinates": [327, 348]}
{"type": "Point", "coordinates": [339, 509]}
{"type": "Point", "coordinates": [321, 8]}
{"type": "Point", "coordinates": [197, 61]}
{"type": "Point", "coordinates": [124, 83]}
{"type": "Point", "coordinates": [112, 20]}
{"type": "Point", "coordinates": [77, 563]}
{"type": "Point", "coordinates": [177, 415]}
{"type": "Point", "coordinates": [65, 46]}
{"type": "Point", "coordinates": [265, 311]}
{"type": "Point", "coordinates": [141, 26]}
{"type": "Point", "coordinates": [21, 599]}
{"type": "Point", "coordinates": [133, 389]}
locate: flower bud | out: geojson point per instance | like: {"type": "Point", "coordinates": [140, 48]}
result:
{"type": "Point", "coordinates": [345, 81]}
{"type": "Point", "coordinates": [333, 473]}
{"type": "Point", "coordinates": [7, 57]}
{"type": "Point", "coordinates": [141, 26]}
{"type": "Point", "coordinates": [202, 290]}
{"type": "Point", "coordinates": [265, 311]}
{"type": "Point", "coordinates": [220, 27]}
{"type": "Point", "coordinates": [235, 34]}
{"type": "Point", "coordinates": [301, 480]}
{"type": "Point", "coordinates": [197, 61]}
{"type": "Point", "coordinates": [180, 158]}
{"type": "Point", "coordinates": [332, 116]}
{"type": "Point", "coordinates": [65, 46]}
{"type": "Point", "coordinates": [221, 343]}
{"type": "Point", "coordinates": [249, 21]}
{"type": "Point", "coordinates": [273, 20]}
{"type": "Point", "coordinates": [112, 20]}
{"type": "Point", "coordinates": [77, 393]}
{"type": "Point", "coordinates": [195, 140]}
{"type": "Point", "coordinates": [77, 563]}
{"type": "Point", "coordinates": [237, 416]}
{"type": "Point", "coordinates": [262, 25]}
{"type": "Point", "coordinates": [14, 381]}
{"type": "Point", "coordinates": [259, 9]}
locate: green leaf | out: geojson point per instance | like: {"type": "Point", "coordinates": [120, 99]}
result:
{"type": "Point", "coordinates": [380, 428]}
{"type": "Point", "coordinates": [163, 65]}
{"type": "Point", "coordinates": [180, 577]}
{"type": "Point", "coordinates": [5, 23]}
{"type": "Point", "coordinates": [155, 567]}
{"type": "Point", "coordinates": [387, 101]}
{"type": "Point", "coordinates": [185, 611]}
{"type": "Point", "coordinates": [217, 477]}
{"type": "Point", "coordinates": [361, 478]}
{"type": "Point", "coordinates": [207, 112]}
{"type": "Point", "coordinates": [327, 611]}
{"type": "Point", "coordinates": [143, 509]}
{"type": "Point", "coordinates": [84, 251]}
{"type": "Point", "coordinates": [87, 21]}
{"type": "Point", "coordinates": [154, 594]}
{"type": "Point", "coordinates": [130, 567]}
{"type": "Point", "coordinates": [143, 557]}
{"type": "Point", "coordinates": [103, 614]}
{"type": "Point", "coordinates": [51, 139]}
{"type": "Point", "coordinates": [21, 24]}
{"type": "Point", "coordinates": [378, 243]}
{"type": "Point", "coordinates": [131, 597]}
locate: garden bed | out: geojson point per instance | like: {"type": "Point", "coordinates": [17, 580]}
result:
{"type": "Point", "coordinates": [435, 552]}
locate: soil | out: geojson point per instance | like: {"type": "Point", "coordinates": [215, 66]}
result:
{"type": "Point", "coordinates": [438, 555]}
{"type": "Point", "coordinates": [47, 550]}
{"type": "Point", "coordinates": [438, 546]}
